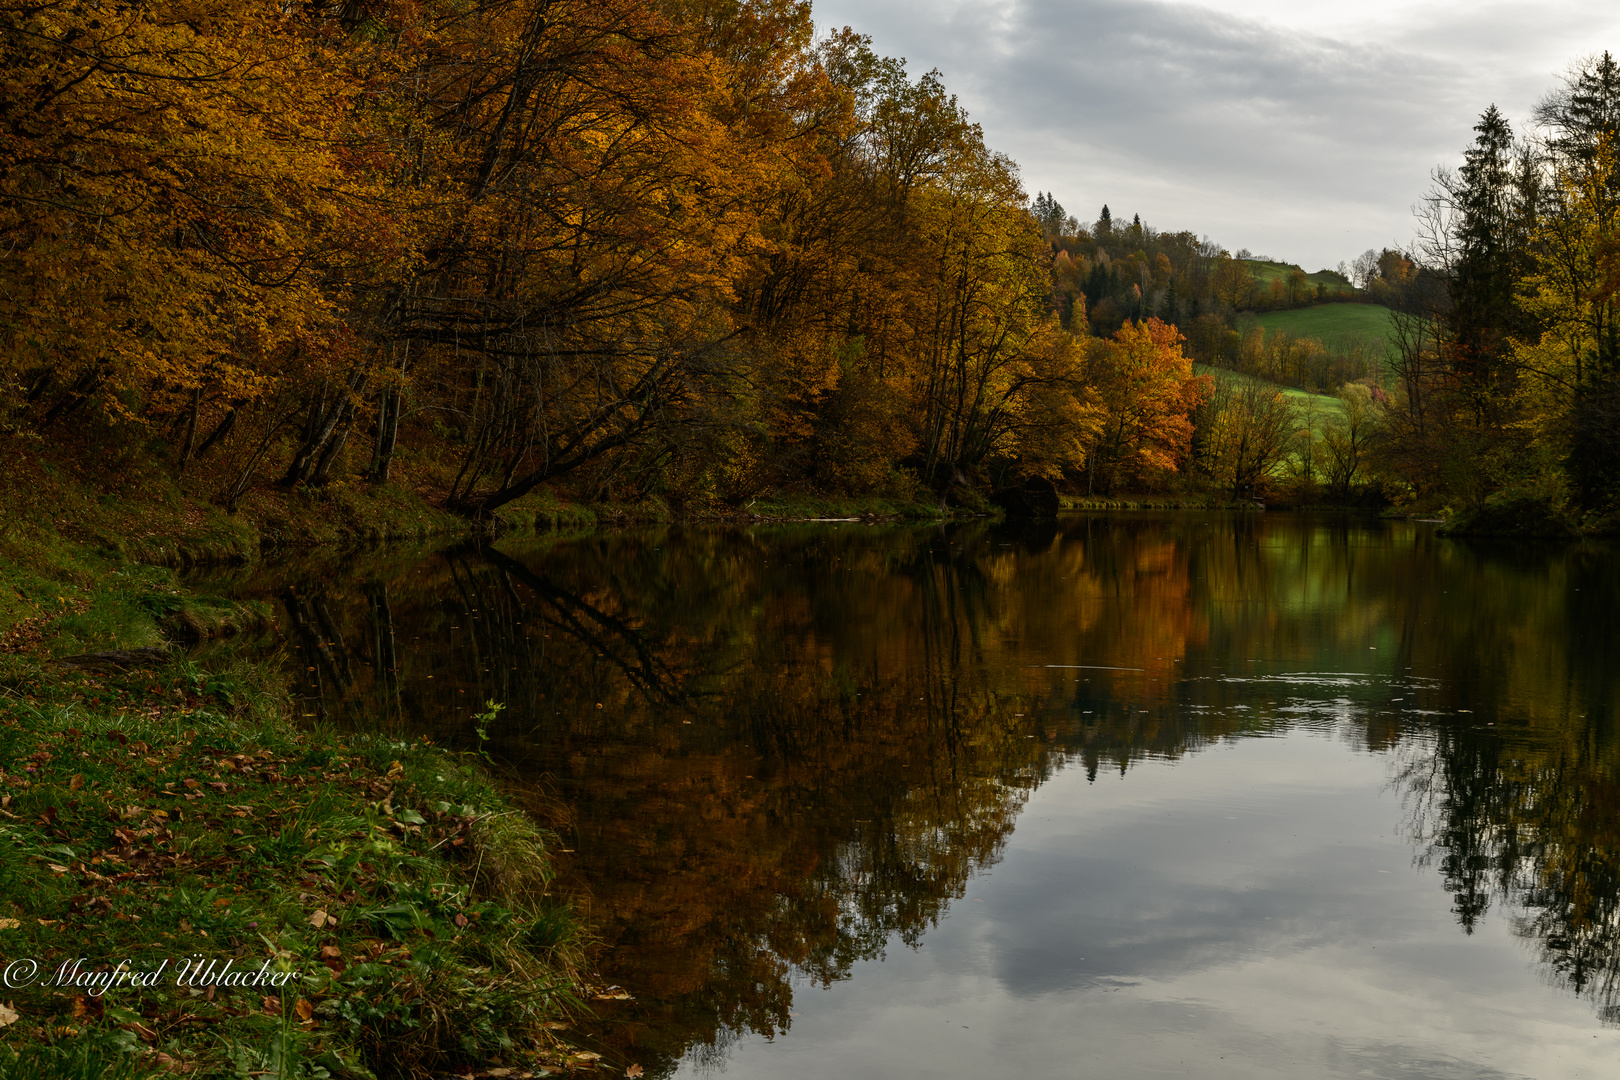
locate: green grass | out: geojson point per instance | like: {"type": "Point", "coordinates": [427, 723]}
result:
{"type": "Point", "coordinates": [1327, 406]}
{"type": "Point", "coordinates": [1266, 272]}
{"type": "Point", "coordinates": [158, 814]}
{"type": "Point", "coordinates": [1328, 321]}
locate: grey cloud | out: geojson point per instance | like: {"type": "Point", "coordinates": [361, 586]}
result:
{"type": "Point", "coordinates": [1308, 146]}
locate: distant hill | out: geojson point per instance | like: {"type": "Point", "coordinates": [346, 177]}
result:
{"type": "Point", "coordinates": [1266, 271]}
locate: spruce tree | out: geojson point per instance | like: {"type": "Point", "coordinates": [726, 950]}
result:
{"type": "Point", "coordinates": [1490, 240]}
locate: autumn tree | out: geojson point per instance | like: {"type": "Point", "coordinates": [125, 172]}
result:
{"type": "Point", "coordinates": [1232, 282]}
{"type": "Point", "coordinates": [1247, 428]}
{"type": "Point", "coordinates": [1148, 392]}
{"type": "Point", "coordinates": [174, 190]}
{"type": "Point", "coordinates": [1348, 439]}
{"type": "Point", "coordinates": [1573, 364]}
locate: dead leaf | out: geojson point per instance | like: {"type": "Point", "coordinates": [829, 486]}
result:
{"type": "Point", "coordinates": [633, 1071]}
{"type": "Point", "coordinates": [584, 1057]}
{"type": "Point", "coordinates": [140, 1031]}
{"type": "Point", "coordinates": [319, 919]}
{"type": "Point", "coordinates": [57, 867]}
{"type": "Point", "coordinates": [8, 1016]}
{"type": "Point", "coordinates": [304, 1009]}
{"type": "Point", "coordinates": [92, 1007]}
{"type": "Point", "coordinates": [9, 924]}
{"type": "Point", "coordinates": [77, 782]}
{"type": "Point", "coordinates": [331, 952]}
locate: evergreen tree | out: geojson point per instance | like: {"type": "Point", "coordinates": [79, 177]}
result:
{"type": "Point", "coordinates": [1049, 212]}
{"type": "Point", "coordinates": [1490, 252]}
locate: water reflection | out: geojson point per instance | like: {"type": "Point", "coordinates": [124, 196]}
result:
{"type": "Point", "coordinates": [782, 752]}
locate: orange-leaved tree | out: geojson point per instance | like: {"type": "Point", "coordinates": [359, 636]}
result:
{"type": "Point", "coordinates": [1148, 390]}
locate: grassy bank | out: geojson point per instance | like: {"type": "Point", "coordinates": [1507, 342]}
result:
{"type": "Point", "coordinates": [304, 902]}
{"type": "Point", "coordinates": [387, 905]}
{"type": "Point", "coordinates": [78, 521]}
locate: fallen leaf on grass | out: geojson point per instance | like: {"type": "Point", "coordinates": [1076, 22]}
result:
{"type": "Point", "coordinates": [633, 1071]}
{"type": "Point", "coordinates": [140, 1031]}
{"type": "Point", "coordinates": [9, 924]}
{"type": "Point", "coordinates": [77, 782]}
{"type": "Point", "coordinates": [91, 1007]}
{"type": "Point", "coordinates": [304, 1009]}
{"type": "Point", "coordinates": [319, 919]}
{"type": "Point", "coordinates": [8, 1016]}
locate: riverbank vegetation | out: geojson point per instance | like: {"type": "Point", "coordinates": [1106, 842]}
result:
{"type": "Point", "coordinates": [391, 902]}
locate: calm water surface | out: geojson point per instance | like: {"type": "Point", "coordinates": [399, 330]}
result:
{"type": "Point", "coordinates": [1132, 796]}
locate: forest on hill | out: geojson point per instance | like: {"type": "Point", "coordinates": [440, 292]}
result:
{"type": "Point", "coordinates": [693, 251]}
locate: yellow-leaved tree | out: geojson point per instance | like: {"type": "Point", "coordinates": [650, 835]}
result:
{"type": "Point", "coordinates": [173, 189]}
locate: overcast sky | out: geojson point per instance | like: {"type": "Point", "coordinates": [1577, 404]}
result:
{"type": "Point", "coordinates": [1300, 129]}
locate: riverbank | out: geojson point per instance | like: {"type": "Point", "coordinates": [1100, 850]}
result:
{"type": "Point", "coordinates": [140, 514]}
{"type": "Point", "coordinates": [264, 897]}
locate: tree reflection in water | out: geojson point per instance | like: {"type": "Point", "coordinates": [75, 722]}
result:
{"type": "Point", "coordinates": [781, 750]}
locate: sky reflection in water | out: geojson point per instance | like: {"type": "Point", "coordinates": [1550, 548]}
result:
{"type": "Point", "coordinates": [1252, 910]}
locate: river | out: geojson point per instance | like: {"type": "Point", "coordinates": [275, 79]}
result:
{"type": "Point", "coordinates": [1127, 796]}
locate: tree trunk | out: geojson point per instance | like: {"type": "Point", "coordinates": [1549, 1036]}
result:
{"type": "Point", "coordinates": [328, 423]}
{"type": "Point", "coordinates": [382, 455]}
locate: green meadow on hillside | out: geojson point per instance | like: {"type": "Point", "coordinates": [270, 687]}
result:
{"type": "Point", "coordinates": [1326, 405]}
{"type": "Point", "coordinates": [1327, 321]}
{"type": "Point", "coordinates": [1265, 272]}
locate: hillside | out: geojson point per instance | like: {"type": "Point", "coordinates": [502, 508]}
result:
{"type": "Point", "coordinates": [1327, 406]}
{"type": "Point", "coordinates": [1266, 271]}
{"type": "Point", "coordinates": [1327, 321]}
